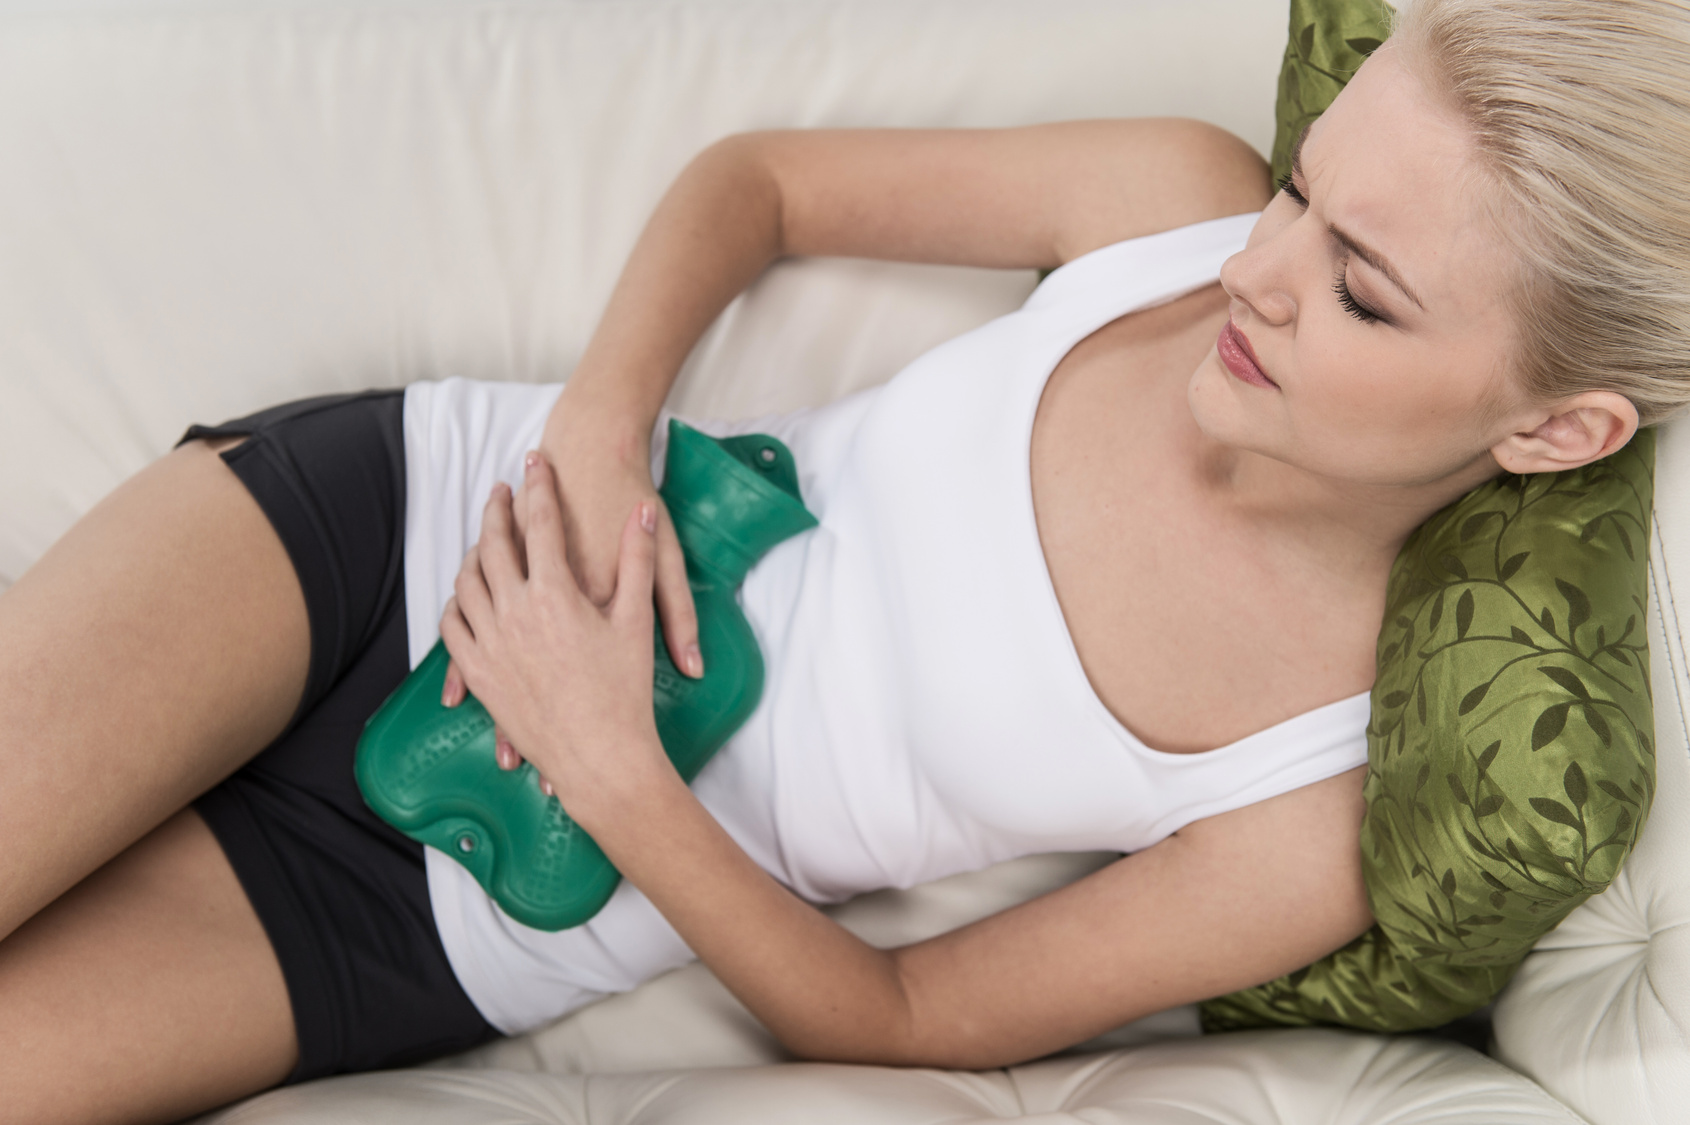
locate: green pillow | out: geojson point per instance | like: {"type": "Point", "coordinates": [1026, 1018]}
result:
{"type": "Point", "coordinates": [1329, 40]}
{"type": "Point", "coordinates": [1510, 754]}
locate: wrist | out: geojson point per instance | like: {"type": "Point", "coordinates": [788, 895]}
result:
{"type": "Point", "coordinates": [626, 798]}
{"type": "Point", "coordinates": [600, 419]}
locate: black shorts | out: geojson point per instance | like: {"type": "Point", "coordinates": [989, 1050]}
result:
{"type": "Point", "coordinates": [342, 896]}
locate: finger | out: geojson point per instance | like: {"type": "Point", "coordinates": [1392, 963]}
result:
{"type": "Point", "coordinates": [636, 566]}
{"type": "Point", "coordinates": [548, 556]}
{"type": "Point", "coordinates": [454, 691]}
{"type": "Point", "coordinates": [469, 588]}
{"type": "Point", "coordinates": [503, 752]}
{"type": "Point", "coordinates": [546, 788]}
{"type": "Point", "coordinates": [519, 524]}
{"type": "Point", "coordinates": [674, 602]}
{"type": "Point", "coordinates": [455, 631]}
{"type": "Point", "coordinates": [499, 561]}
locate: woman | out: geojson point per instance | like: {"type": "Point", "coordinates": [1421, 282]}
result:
{"type": "Point", "coordinates": [1179, 577]}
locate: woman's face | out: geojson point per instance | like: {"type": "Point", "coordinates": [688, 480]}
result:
{"type": "Point", "coordinates": [1369, 340]}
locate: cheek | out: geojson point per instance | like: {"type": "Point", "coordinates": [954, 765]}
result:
{"type": "Point", "coordinates": [1390, 388]}
{"type": "Point", "coordinates": [1386, 413]}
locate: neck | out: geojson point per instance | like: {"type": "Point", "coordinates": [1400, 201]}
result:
{"type": "Point", "coordinates": [1352, 524]}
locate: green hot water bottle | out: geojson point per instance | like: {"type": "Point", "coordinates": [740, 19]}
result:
{"type": "Point", "coordinates": [430, 771]}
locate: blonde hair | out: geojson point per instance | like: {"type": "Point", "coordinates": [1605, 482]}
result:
{"type": "Point", "coordinates": [1581, 113]}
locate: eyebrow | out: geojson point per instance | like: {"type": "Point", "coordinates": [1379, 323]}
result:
{"type": "Point", "coordinates": [1354, 245]}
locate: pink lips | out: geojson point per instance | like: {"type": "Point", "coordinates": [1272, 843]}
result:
{"type": "Point", "coordinates": [1235, 353]}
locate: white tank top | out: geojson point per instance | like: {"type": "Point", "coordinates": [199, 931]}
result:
{"type": "Point", "coordinates": [925, 710]}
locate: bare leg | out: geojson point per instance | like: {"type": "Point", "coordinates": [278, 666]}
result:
{"type": "Point", "coordinates": [153, 650]}
{"type": "Point", "coordinates": [147, 993]}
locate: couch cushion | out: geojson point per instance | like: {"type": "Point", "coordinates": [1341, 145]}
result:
{"type": "Point", "coordinates": [1312, 1077]}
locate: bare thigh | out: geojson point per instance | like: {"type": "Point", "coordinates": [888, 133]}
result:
{"type": "Point", "coordinates": [147, 993]}
{"type": "Point", "coordinates": [151, 652]}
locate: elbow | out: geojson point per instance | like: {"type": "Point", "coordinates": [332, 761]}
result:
{"type": "Point", "coordinates": [737, 151]}
{"type": "Point", "coordinates": [899, 1029]}
{"type": "Point", "coordinates": [848, 1037]}
{"type": "Point", "coordinates": [874, 1022]}
{"type": "Point", "coordinates": [744, 168]}
{"type": "Point", "coordinates": [940, 1051]}
{"type": "Point", "coordinates": [845, 1045]}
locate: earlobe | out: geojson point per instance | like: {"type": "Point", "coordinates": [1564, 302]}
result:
{"type": "Point", "coordinates": [1582, 429]}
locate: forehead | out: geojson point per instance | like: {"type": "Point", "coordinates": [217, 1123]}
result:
{"type": "Point", "coordinates": [1396, 167]}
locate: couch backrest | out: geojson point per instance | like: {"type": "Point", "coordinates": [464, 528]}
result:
{"type": "Point", "coordinates": [209, 206]}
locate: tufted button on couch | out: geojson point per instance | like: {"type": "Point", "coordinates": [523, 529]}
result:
{"type": "Point", "coordinates": [210, 205]}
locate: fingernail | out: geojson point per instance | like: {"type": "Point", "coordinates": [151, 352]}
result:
{"type": "Point", "coordinates": [506, 754]}
{"type": "Point", "coordinates": [532, 459]}
{"type": "Point", "coordinates": [648, 516]}
{"type": "Point", "coordinates": [695, 661]}
{"type": "Point", "coordinates": [546, 788]}
{"type": "Point", "coordinates": [448, 694]}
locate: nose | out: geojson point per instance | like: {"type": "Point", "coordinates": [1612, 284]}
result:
{"type": "Point", "coordinates": [1257, 278]}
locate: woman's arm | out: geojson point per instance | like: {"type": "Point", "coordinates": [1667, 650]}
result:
{"type": "Point", "coordinates": [1227, 902]}
{"type": "Point", "coordinates": [1032, 197]}
{"type": "Point", "coordinates": [1029, 197]}
{"type": "Point", "coordinates": [1223, 904]}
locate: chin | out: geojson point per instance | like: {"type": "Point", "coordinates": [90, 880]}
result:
{"type": "Point", "coordinates": [1222, 414]}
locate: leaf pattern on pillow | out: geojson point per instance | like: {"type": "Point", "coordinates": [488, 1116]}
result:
{"type": "Point", "coordinates": [1510, 752]}
{"type": "Point", "coordinates": [1329, 40]}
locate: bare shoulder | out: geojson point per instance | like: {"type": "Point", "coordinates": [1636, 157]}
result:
{"type": "Point", "coordinates": [1140, 176]}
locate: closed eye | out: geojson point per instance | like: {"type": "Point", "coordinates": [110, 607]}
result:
{"type": "Point", "coordinates": [1341, 286]}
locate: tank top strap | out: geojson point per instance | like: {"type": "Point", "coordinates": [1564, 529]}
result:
{"type": "Point", "coordinates": [1142, 272]}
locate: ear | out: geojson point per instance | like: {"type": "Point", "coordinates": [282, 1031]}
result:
{"type": "Point", "coordinates": [1574, 432]}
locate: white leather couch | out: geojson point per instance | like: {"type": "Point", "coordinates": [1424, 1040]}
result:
{"type": "Point", "coordinates": [207, 206]}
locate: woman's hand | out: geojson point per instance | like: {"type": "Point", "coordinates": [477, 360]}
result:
{"type": "Point", "coordinates": [603, 471]}
{"type": "Point", "coordinates": [565, 678]}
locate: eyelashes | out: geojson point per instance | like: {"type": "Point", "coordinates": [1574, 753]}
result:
{"type": "Point", "coordinates": [1341, 287]}
{"type": "Point", "coordinates": [1340, 284]}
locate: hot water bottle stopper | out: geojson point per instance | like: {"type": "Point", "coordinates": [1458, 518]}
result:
{"type": "Point", "coordinates": [430, 770]}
